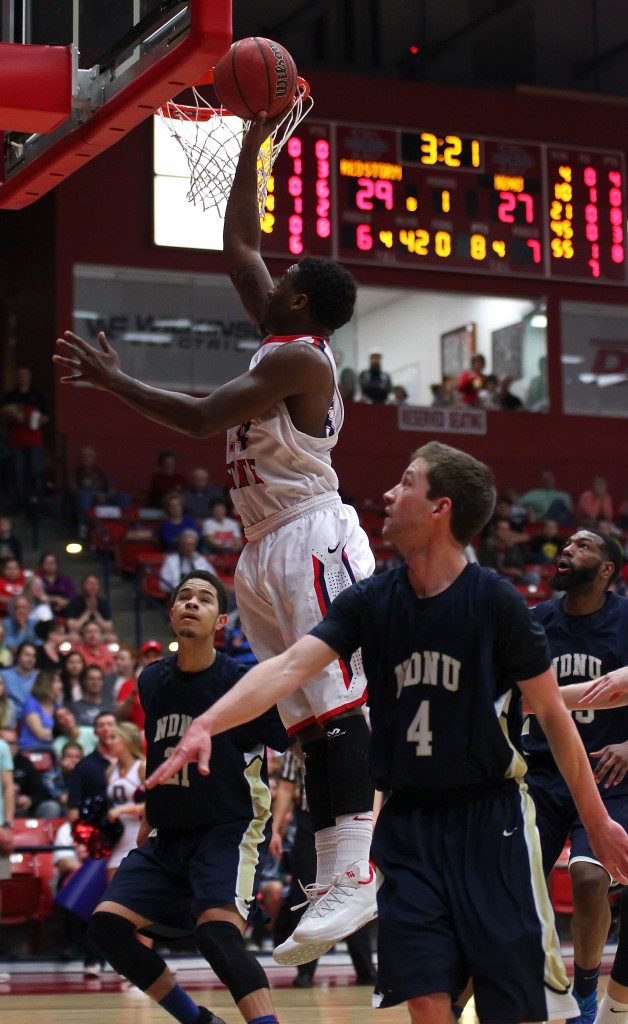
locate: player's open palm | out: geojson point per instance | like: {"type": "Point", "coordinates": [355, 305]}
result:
{"type": "Point", "coordinates": [195, 745]}
{"type": "Point", "coordinates": [95, 366]}
{"type": "Point", "coordinates": [610, 845]}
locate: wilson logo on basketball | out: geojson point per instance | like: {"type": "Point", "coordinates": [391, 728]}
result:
{"type": "Point", "coordinates": [281, 71]}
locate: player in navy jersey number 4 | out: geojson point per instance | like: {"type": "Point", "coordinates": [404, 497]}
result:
{"type": "Point", "coordinates": [447, 648]}
{"type": "Point", "coordinates": [282, 418]}
{"type": "Point", "coordinates": [200, 872]}
{"type": "Point", "coordinates": [587, 629]}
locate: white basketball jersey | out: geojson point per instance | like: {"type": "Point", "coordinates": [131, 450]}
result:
{"type": "Point", "coordinates": [272, 465]}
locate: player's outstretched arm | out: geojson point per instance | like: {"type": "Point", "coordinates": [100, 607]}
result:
{"type": "Point", "coordinates": [242, 231]}
{"type": "Point", "coordinates": [258, 690]}
{"type": "Point", "coordinates": [609, 691]}
{"type": "Point", "coordinates": [253, 393]}
{"type": "Point", "coordinates": [608, 839]}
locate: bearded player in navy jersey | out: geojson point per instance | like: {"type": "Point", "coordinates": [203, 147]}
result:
{"type": "Point", "coordinates": [448, 647]}
{"type": "Point", "coordinates": [283, 418]}
{"type": "Point", "coordinates": [587, 629]}
{"type": "Point", "coordinates": [200, 871]}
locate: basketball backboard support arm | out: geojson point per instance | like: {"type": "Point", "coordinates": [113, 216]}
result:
{"type": "Point", "coordinates": [114, 96]}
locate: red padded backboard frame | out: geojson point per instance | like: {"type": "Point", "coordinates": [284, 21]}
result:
{"type": "Point", "coordinates": [35, 87]}
{"type": "Point", "coordinates": [209, 37]}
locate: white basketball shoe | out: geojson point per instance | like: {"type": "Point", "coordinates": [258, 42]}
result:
{"type": "Point", "coordinates": [348, 904]}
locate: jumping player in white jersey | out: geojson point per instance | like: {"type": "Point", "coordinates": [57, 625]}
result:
{"type": "Point", "coordinates": [304, 546]}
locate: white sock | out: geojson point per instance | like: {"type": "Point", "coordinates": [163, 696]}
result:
{"type": "Point", "coordinates": [325, 842]}
{"type": "Point", "coordinates": [354, 833]}
{"type": "Point", "coordinates": [611, 1012]}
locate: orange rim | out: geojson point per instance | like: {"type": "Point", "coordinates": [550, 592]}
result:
{"type": "Point", "coordinates": [188, 112]}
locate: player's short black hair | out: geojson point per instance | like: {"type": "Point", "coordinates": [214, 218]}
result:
{"type": "Point", "coordinates": [330, 288]}
{"type": "Point", "coordinates": [466, 481]}
{"type": "Point", "coordinates": [217, 584]}
{"type": "Point", "coordinates": [611, 551]}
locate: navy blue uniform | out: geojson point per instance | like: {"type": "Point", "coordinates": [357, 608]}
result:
{"type": "Point", "coordinates": [582, 648]}
{"type": "Point", "coordinates": [212, 830]}
{"type": "Point", "coordinates": [462, 891]}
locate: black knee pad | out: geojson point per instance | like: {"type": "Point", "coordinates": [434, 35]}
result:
{"type": "Point", "coordinates": [316, 783]}
{"type": "Point", "coordinates": [114, 938]}
{"type": "Point", "coordinates": [223, 947]}
{"type": "Point", "coordinates": [348, 740]}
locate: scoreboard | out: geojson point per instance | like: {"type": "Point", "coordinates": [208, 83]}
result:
{"type": "Point", "coordinates": [431, 199]}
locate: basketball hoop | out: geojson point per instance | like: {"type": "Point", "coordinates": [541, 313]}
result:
{"type": "Point", "coordinates": [211, 139]}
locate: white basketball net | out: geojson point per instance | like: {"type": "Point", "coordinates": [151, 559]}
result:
{"type": "Point", "coordinates": [211, 139]}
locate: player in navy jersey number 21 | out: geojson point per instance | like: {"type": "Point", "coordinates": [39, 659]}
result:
{"type": "Point", "coordinates": [282, 418]}
{"type": "Point", "coordinates": [447, 647]}
{"type": "Point", "coordinates": [199, 873]}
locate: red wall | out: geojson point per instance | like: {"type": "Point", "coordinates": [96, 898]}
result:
{"type": "Point", "coordinates": [103, 215]}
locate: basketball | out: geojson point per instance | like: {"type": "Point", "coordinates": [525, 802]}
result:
{"type": "Point", "coordinates": [256, 74]}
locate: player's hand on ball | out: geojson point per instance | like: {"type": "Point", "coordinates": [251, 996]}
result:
{"type": "Point", "coordinates": [95, 366]}
{"type": "Point", "coordinates": [196, 745]}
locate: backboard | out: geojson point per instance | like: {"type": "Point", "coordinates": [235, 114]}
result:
{"type": "Point", "coordinates": [112, 62]}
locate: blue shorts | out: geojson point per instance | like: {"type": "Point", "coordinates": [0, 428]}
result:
{"type": "Point", "coordinates": [462, 895]}
{"type": "Point", "coordinates": [558, 820]}
{"type": "Point", "coordinates": [175, 876]}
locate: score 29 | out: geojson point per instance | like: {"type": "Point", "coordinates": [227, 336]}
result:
{"type": "Point", "coordinates": [370, 189]}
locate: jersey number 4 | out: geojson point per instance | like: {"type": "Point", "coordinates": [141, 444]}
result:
{"type": "Point", "coordinates": [419, 730]}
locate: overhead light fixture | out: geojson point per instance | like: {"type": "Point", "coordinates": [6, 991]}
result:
{"type": "Point", "coordinates": [73, 548]}
{"type": "Point", "coordinates": [538, 320]}
{"type": "Point", "coordinates": [147, 338]}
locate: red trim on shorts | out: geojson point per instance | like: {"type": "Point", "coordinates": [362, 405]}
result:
{"type": "Point", "coordinates": [345, 707]}
{"type": "Point", "coordinates": [301, 725]}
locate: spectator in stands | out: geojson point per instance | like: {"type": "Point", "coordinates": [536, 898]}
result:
{"type": "Point", "coordinates": [348, 384]}
{"type": "Point", "coordinates": [10, 545]}
{"type": "Point", "coordinates": [221, 533]}
{"type": "Point", "coordinates": [496, 395]}
{"type": "Point", "coordinates": [445, 394]}
{"type": "Point", "coordinates": [175, 521]}
{"type": "Point", "coordinates": [8, 710]}
{"type": "Point", "coordinates": [166, 479]}
{"type": "Point", "coordinates": [236, 643]}
{"type": "Point", "coordinates": [94, 699]}
{"type": "Point", "coordinates": [31, 798]}
{"type": "Point", "coordinates": [36, 722]}
{"type": "Point", "coordinates": [546, 545]}
{"type": "Point", "coordinates": [595, 503]}
{"type": "Point", "coordinates": [41, 609]}
{"type": "Point", "coordinates": [375, 384]}
{"type": "Point", "coordinates": [125, 669]}
{"type": "Point", "coordinates": [89, 486]}
{"type": "Point", "coordinates": [7, 807]}
{"type": "Point", "coordinates": [503, 554]}
{"type": "Point", "coordinates": [66, 730]}
{"type": "Point", "coordinates": [471, 382]}
{"type": "Point", "coordinates": [94, 650]}
{"type": "Point", "coordinates": [11, 582]}
{"type": "Point", "coordinates": [200, 495]}
{"type": "Point", "coordinates": [24, 409]}
{"type": "Point", "coordinates": [56, 780]}
{"type": "Point", "coordinates": [177, 564]}
{"type": "Point", "coordinates": [548, 502]}
{"type": "Point", "coordinates": [399, 395]}
{"type": "Point", "coordinates": [88, 778]}
{"type": "Point", "coordinates": [59, 587]}
{"type": "Point", "coordinates": [88, 607]}
{"type": "Point", "coordinates": [6, 657]}
{"type": "Point", "coordinates": [18, 624]}
{"type": "Point", "coordinates": [71, 676]}
{"type": "Point", "coordinates": [50, 635]}
{"type": "Point", "coordinates": [129, 708]}
{"type": "Point", "coordinates": [20, 677]}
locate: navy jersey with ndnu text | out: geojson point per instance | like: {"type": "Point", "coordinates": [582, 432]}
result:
{"type": "Point", "coordinates": [582, 648]}
{"type": "Point", "coordinates": [442, 674]}
{"type": "Point", "coordinates": [236, 788]}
